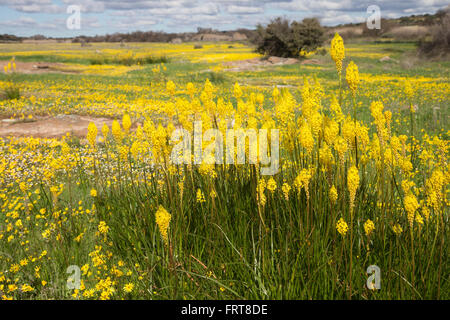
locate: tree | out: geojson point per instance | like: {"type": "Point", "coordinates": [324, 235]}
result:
{"type": "Point", "coordinates": [283, 39]}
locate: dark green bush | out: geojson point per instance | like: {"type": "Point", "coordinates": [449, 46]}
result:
{"type": "Point", "coordinates": [284, 39]}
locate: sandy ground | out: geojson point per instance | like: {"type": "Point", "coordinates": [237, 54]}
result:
{"type": "Point", "coordinates": [36, 67]}
{"type": "Point", "coordinates": [50, 127]}
{"type": "Point", "coordinates": [257, 63]}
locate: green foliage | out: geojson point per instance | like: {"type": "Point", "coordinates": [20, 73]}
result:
{"type": "Point", "coordinates": [283, 39]}
{"type": "Point", "coordinates": [127, 60]}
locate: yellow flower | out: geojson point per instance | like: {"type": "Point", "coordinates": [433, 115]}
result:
{"type": "Point", "coordinates": [306, 137]}
{"type": "Point", "coordinates": [352, 184]}
{"type": "Point", "coordinates": [369, 226]}
{"type": "Point", "coordinates": [12, 288]}
{"type": "Point", "coordinates": [333, 194]}
{"type": "Point", "coordinates": [103, 228]}
{"type": "Point", "coordinates": [271, 184]}
{"type": "Point", "coordinates": [190, 89]}
{"type": "Point", "coordinates": [105, 131]}
{"type": "Point", "coordinates": [260, 98]}
{"type": "Point", "coordinates": [170, 87]}
{"type": "Point", "coordinates": [342, 227]}
{"type": "Point", "coordinates": [352, 76]}
{"type": "Point", "coordinates": [260, 192]}
{"type": "Point", "coordinates": [397, 229]}
{"type": "Point", "coordinates": [411, 205]}
{"type": "Point", "coordinates": [126, 123]}
{"type": "Point", "coordinates": [163, 220]}
{"type": "Point", "coordinates": [200, 196]}
{"type": "Point", "coordinates": [128, 287]}
{"type": "Point", "coordinates": [303, 180]}
{"type": "Point", "coordinates": [337, 51]}
{"type": "Point", "coordinates": [408, 90]}
{"type": "Point", "coordinates": [237, 91]}
{"type": "Point", "coordinates": [93, 193]}
{"type": "Point", "coordinates": [27, 288]}
{"type": "Point", "coordinates": [286, 188]}
{"type": "Point", "coordinates": [92, 134]}
{"type": "Point", "coordinates": [116, 130]}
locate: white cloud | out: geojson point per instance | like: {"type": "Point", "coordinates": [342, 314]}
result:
{"type": "Point", "coordinates": [187, 15]}
{"type": "Point", "coordinates": [244, 9]}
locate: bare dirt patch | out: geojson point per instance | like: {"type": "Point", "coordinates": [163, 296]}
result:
{"type": "Point", "coordinates": [258, 63]}
{"type": "Point", "coordinates": [51, 127]}
{"type": "Point", "coordinates": [38, 67]}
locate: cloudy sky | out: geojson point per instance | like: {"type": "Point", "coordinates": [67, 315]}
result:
{"type": "Point", "coordinates": [48, 17]}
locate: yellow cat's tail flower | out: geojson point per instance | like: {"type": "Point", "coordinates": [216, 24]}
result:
{"type": "Point", "coordinates": [352, 76]}
{"type": "Point", "coordinates": [163, 221]}
{"type": "Point", "coordinates": [337, 51]}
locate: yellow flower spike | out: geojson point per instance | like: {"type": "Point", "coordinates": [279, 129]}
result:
{"type": "Point", "coordinates": [275, 94]}
{"type": "Point", "coordinates": [163, 221]}
{"type": "Point", "coordinates": [126, 123]}
{"type": "Point", "coordinates": [170, 87]}
{"type": "Point", "coordinates": [411, 205]}
{"type": "Point", "coordinates": [237, 92]}
{"type": "Point", "coordinates": [116, 131]}
{"type": "Point", "coordinates": [352, 184]}
{"type": "Point", "coordinates": [200, 196]}
{"type": "Point", "coordinates": [92, 134]}
{"type": "Point", "coordinates": [333, 194]}
{"type": "Point", "coordinates": [191, 89]}
{"type": "Point", "coordinates": [271, 184]}
{"type": "Point", "coordinates": [369, 226]}
{"type": "Point", "coordinates": [286, 188]}
{"type": "Point", "coordinates": [337, 51]}
{"type": "Point", "coordinates": [397, 229]}
{"type": "Point", "coordinates": [352, 77]}
{"type": "Point", "coordinates": [306, 137]}
{"type": "Point", "coordinates": [105, 131]}
{"type": "Point", "coordinates": [342, 227]}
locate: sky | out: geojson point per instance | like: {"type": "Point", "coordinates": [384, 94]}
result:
{"type": "Point", "coordinates": [98, 17]}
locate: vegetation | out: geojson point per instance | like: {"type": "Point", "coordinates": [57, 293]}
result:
{"type": "Point", "coordinates": [284, 39]}
{"type": "Point", "coordinates": [439, 44]}
{"type": "Point", "coordinates": [11, 89]}
{"type": "Point", "coordinates": [363, 178]}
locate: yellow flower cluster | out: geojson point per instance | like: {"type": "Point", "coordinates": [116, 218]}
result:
{"type": "Point", "coordinates": [342, 227]}
{"type": "Point", "coordinates": [337, 51]}
{"type": "Point", "coordinates": [163, 221]}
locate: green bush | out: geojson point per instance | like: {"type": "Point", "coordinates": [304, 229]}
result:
{"type": "Point", "coordinates": [284, 39]}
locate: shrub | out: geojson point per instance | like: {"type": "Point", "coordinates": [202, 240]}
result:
{"type": "Point", "coordinates": [127, 60]}
{"type": "Point", "coordinates": [284, 39]}
{"type": "Point", "coordinates": [385, 26]}
{"type": "Point", "coordinates": [439, 44]}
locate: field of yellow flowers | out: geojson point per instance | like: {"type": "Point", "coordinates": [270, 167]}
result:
{"type": "Point", "coordinates": [363, 177]}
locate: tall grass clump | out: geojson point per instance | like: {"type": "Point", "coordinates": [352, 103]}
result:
{"type": "Point", "coordinates": [11, 88]}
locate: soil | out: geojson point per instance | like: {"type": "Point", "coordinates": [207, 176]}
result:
{"type": "Point", "coordinates": [36, 67]}
{"type": "Point", "coordinates": [50, 127]}
{"type": "Point", "coordinates": [257, 63]}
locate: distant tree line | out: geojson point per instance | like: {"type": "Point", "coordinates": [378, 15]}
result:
{"type": "Point", "coordinates": [9, 38]}
{"type": "Point", "coordinates": [157, 36]}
